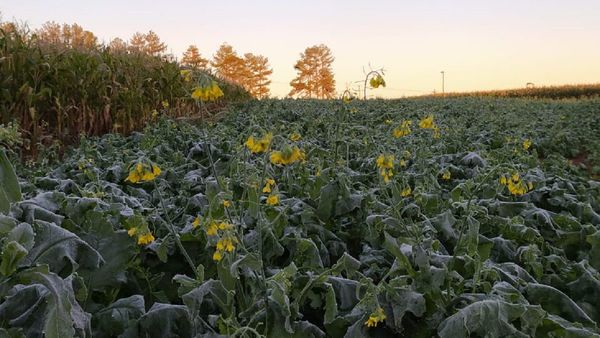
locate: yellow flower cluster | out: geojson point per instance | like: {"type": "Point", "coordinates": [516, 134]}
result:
{"type": "Point", "coordinates": [142, 172]}
{"type": "Point", "coordinates": [446, 175]}
{"type": "Point", "coordinates": [377, 81]}
{"type": "Point", "coordinates": [268, 185]}
{"type": "Point", "coordinates": [406, 192]}
{"type": "Point", "coordinates": [386, 165]}
{"type": "Point", "coordinates": [375, 318]}
{"type": "Point", "coordinates": [224, 244]}
{"type": "Point", "coordinates": [428, 123]}
{"type": "Point", "coordinates": [144, 236]}
{"type": "Point", "coordinates": [227, 240]}
{"type": "Point", "coordinates": [515, 185]}
{"type": "Point", "coordinates": [186, 74]}
{"type": "Point", "coordinates": [196, 222]}
{"type": "Point", "coordinates": [403, 129]}
{"type": "Point", "coordinates": [527, 144]}
{"type": "Point", "coordinates": [207, 93]}
{"type": "Point", "coordinates": [257, 146]}
{"type": "Point", "coordinates": [287, 156]}
{"type": "Point", "coordinates": [295, 137]}
{"type": "Point", "coordinates": [226, 203]}
{"type": "Point", "coordinates": [273, 200]}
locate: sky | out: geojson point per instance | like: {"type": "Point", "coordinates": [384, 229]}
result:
{"type": "Point", "coordinates": [480, 45]}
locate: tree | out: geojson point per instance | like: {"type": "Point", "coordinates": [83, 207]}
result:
{"type": "Point", "coordinates": [315, 74]}
{"type": "Point", "coordinates": [118, 46]}
{"type": "Point", "coordinates": [193, 59]}
{"type": "Point", "coordinates": [50, 33]}
{"type": "Point", "coordinates": [229, 65]}
{"type": "Point", "coordinates": [148, 43]}
{"type": "Point", "coordinates": [153, 44]}
{"type": "Point", "coordinates": [137, 43]}
{"type": "Point", "coordinates": [71, 36]}
{"type": "Point", "coordinates": [258, 72]}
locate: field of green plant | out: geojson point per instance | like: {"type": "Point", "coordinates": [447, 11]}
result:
{"type": "Point", "coordinates": [466, 217]}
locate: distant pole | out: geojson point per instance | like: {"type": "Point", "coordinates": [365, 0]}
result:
{"type": "Point", "coordinates": [443, 73]}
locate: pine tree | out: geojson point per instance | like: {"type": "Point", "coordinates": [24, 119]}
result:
{"type": "Point", "coordinates": [258, 72]}
{"type": "Point", "coordinates": [154, 46]}
{"type": "Point", "coordinates": [315, 74]}
{"type": "Point", "coordinates": [228, 65]}
{"type": "Point", "coordinates": [137, 43]}
{"type": "Point", "coordinates": [118, 46]}
{"type": "Point", "coordinates": [50, 33]}
{"type": "Point", "coordinates": [193, 59]}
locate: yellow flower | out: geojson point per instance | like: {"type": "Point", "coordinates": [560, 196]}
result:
{"type": "Point", "coordinates": [225, 226]}
{"type": "Point", "coordinates": [143, 173]}
{"type": "Point", "coordinates": [212, 229]}
{"type": "Point", "coordinates": [402, 163]}
{"type": "Point", "coordinates": [131, 232]}
{"type": "Point", "coordinates": [446, 175]}
{"type": "Point", "coordinates": [196, 222]}
{"type": "Point", "coordinates": [148, 176]}
{"type": "Point", "coordinates": [387, 174]}
{"type": "Point", "coordinates": [272, 200]}
{"type": "Point", "coordinates": [403, 129]}
{"type": "Point", "coordinates": [221, 244]}
{"type": "Point", "coordinates": [427, 123]}
{"type": "Point", "coordinates": [165, 104]}
{"type": "Point", "coordinates": [385, 161]}
{"type": "Point", "coordinates": [375, 318]}
{"type": "Point", "coordinates": [287, 156]}
{"type": "Point", "coordinates": [155, 170]}
{"type": "Point", "coordinates": [529, 185]}
{"type": "Point", "coordinates": [268, 185]}
{"type": "Point", "coordinates": [186, 74]}
{"type": "Point", "coordinates": [406, 192]}
{"type": "Point", "coordinates": [145, 239]}
{"type": "Point", "coordinates": [515, 177]}
{"type": "Point", "coordinates": [133, 177]}
{"type": "Point", "coordinates": [207, 93]}
{"type": "Point", "coordinates": [527, 144]}
{"type": "Point", "coordinates": [503, 180]}
{"type": "Point", "coordinates": [377, 81]}
{"type": "Point", "coordinates": [295, 137]}
{"type": "Point", "coordinates": [388, 121]}
{"type": "Point", "coordinates": [226, 203]}
{"type": "Point", "coordinates": [217, 256]}
{"type": "Point", "coordinates": [259, 146]}
{"type": "Point", "coordinates": [436, 132]}
{"type": "Point", "coordinates": [229, 245]}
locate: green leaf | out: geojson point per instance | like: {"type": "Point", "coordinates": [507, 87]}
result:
{"type": "Point", "coordinates": [556, 302]}
{"type": "Point", "coordinates": [346, 263]}
{"type": "Point", "coordinates": [44, 302]}
{"type": "Point", "coordinates": [115, 246]}
{"type": "Point", "coordinates": [403, 300]}
{"type": "Point", "coordinates": [115, 318]}
{"type": "Point", "coordinates": [60, 249]}
{"type": "Point", "coordinates": [211, 295]}
{"type": "Point", "coordinates": [12, 253]}
{"type": "Point", "coordinates": [166, 320]}
{"type": "Point", "coordinates": [327, 201]}
{"type": "Point", "coordinates": [10, 191]}
{"type": "Point", "coordinates": [489, 318]}
{"type": "Point", "coordinates": [331, 309]}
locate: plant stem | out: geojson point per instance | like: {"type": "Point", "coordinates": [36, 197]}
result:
{"type": "Point", "coordinates": [175, 235]}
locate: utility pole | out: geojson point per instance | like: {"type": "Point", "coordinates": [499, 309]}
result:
{"type": "Point", "coordinates": [443, 73]}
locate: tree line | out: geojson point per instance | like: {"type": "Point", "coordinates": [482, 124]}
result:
{"type": "Point", "coordinates": [315, 78]}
